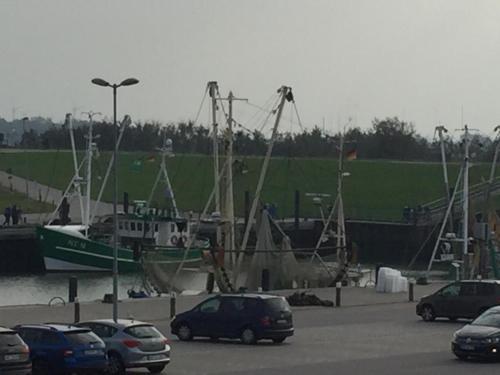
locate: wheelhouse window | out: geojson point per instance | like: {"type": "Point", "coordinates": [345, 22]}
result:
{"type": "Point", "coordinates": [132, 226]}
{"type": "Point", "coordinates": [139, 227]}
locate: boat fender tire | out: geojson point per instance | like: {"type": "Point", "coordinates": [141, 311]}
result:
{"type": "Point", "coordinates": [173, 240]}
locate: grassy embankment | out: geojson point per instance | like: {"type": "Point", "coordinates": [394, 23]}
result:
{"type": "Point", "coordinates": [374, 189]}
{"type": "Point", "coordinates": [28, 206]}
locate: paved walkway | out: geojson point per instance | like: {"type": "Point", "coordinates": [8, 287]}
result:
{"type": "Point", "coordinates": [158, 308]}
{"type": "Point", "coordinates": [50, 195]}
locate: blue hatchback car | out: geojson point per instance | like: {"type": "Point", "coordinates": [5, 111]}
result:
{"type": "Point", "coordinates": [249, 317]}
{"type": "Point", "coordinates": [63, 349]}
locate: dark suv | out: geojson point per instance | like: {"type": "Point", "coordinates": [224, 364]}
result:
{"type": "Point", "coordinates": [249, 317]}
{"type": "Point", "coordinates": [461, 299]}
{"type": "Point", "coordinates": [63, 349]}
{"type": "Point", "coordinates": [14, 354]}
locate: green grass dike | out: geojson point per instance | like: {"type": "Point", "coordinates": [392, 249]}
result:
{"type": "Point", "coordinates": [28, 206]}
{"type": "Point", "coordinates": [375, 189]}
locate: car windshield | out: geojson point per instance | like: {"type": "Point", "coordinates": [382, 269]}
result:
{"type": "Point", "coordinates": [9, 339]}
{"type": "Point", "coordinates": [277, 304]}
{"type": "Point", "coordinates": [81, 337]}
{"type": "Point", "coordinates": [143, 332]}
{"type": "Point", "coordinates": [491, 319]}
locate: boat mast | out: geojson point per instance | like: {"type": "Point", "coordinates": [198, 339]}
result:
{"type": "Point", "coordinates": [213, 90]}
{"type": "Point", "coordinates": [229, 227]}
{"type": "Point", "coordinates": [341, 238]}
{"type": "Point", "coordinates": [88, 175]}
{"type": "Point", "coordinates": [286, 94]}
{"type": "Point", "coordinates": [441, 129]}
{"type": "Point", "coordinates": [166, 150]}
{"type": "Point", "coordinates": [77, 180]}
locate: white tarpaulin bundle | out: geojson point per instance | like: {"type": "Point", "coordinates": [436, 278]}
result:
{"type": "Point", "coordinates": [280, 262]}
{"type": "Point", "coordinates": [390, 280]}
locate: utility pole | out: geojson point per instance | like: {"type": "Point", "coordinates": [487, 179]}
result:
{"type": "Point", "coordinates": [213, 90]}
{"type": "Point", "coordinates": [341, 240]}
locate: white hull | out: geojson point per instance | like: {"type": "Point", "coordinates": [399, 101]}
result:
{"type": "Point", "coordinates": [56, 265]}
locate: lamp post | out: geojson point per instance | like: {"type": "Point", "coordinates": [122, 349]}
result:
{"type": "Point", "coordinates": [114, 86]}
{"type": "Point", "coordinates": [26, 170]}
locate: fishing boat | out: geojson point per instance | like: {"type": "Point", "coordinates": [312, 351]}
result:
{"type": "Point", "coordinates": [88, 247]}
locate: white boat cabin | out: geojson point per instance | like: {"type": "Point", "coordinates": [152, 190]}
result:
{"type": "Point", "coordinates": [155, 227]}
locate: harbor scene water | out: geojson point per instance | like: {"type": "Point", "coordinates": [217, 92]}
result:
{"type": "Point", "coordinates": [249, 187]}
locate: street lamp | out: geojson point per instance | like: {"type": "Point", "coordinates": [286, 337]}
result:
{"type": "Point", "coordinates": [114, 86]}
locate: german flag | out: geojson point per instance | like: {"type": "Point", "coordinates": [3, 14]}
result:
{"type": "Point", "coordinates": [351, 155]}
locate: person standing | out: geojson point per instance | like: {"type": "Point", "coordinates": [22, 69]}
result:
{"type": "Point", "coordinates": [7, 213]}
{"type": "Point", "coordinates": [14, 215]}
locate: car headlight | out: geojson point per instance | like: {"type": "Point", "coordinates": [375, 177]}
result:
{"type": "Point", "coordinates": [455, 336]}
{"type": "Point", "coordinates": [493, 339]}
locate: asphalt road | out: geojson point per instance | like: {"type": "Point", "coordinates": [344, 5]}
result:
{"type": "Point", "coordinates": [376, 339]}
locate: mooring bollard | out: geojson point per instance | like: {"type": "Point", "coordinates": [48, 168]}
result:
{"type": "Point", "coordinates": [338, 292]}
{"type": "Point", "coordinates": [73, 289]}
{"type": "Point", "coordinates": [411, 295]}
{"type": "Point", "coordinates": [172, 304]}
{"type": "Point", "coordinates": [77, 310]}
{"type": "Point", "coordinates": [265, 280]}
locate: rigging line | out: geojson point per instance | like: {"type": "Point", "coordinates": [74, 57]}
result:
{"type": "Point", "coordinates": [298, 117]}
{"type": "Point", "coordinates": [201, 106]}
{"type": "Point", "coordinates": [269, 115]}
{"type": "Point", "coordinates": [268, 108]}
{"type": "Point", "coordinates": [263, 109]}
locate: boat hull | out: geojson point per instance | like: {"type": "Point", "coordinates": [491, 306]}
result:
{"type": "Point", "coordinates": [65, 252]}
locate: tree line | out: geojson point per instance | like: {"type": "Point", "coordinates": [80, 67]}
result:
{"type": "Point", "coordinates": [389, 138]}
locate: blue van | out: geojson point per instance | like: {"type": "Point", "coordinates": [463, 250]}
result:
{"type": "Point", "coordinates": [61, 349]}
{"type": "Point", "coordinates": [249, 317]}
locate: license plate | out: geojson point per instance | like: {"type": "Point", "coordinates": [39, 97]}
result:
{"type": "Point", "coordinates": [281, 321]}
{"type": "Point", "coordinates": [12, 357]}
{"type": "Point", "coordinates": [156, 357]}
{"type": "Point", "coordinates": [91, 352]}
{"type": "Point", "coordinates": [466, 347]}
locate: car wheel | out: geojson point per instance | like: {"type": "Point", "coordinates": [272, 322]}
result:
{"type": "Point", "coordinates": [428, 313]}
{"type": "Point", "coordinates": [156, 369]}
{"type": "Point", "coordinates": [248, 336]}
{"type": "Point", "coordinates": [279, 340]}
{"type": "Point", "coordinates": [184, 332]}
{"type": "Point", "coordinates": [115, 364]}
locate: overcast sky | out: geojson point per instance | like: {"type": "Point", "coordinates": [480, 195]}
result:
{"type": "Point", "coordinates": [419, 60]}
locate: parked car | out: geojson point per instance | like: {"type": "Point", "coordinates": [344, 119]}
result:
{"type": "Point", "coordinates": [481, 338]}
{"type": "Point", "coordinates": [131, 344]}
{"type": "Point", "coordinates": [62, 349]}
{"type": "Point", "coordinates": [249, 317]}
{"type": "Point", "coordinates": [14, 354]}
{"type": "Point", "coordinates": [461, 299]}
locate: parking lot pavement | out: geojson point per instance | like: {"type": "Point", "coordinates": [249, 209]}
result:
{"type": "Point", "coordinates": [381, 339]}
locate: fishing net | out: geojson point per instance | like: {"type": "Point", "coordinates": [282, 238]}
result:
{"type": "Point", "coordinates": [279, 261]}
